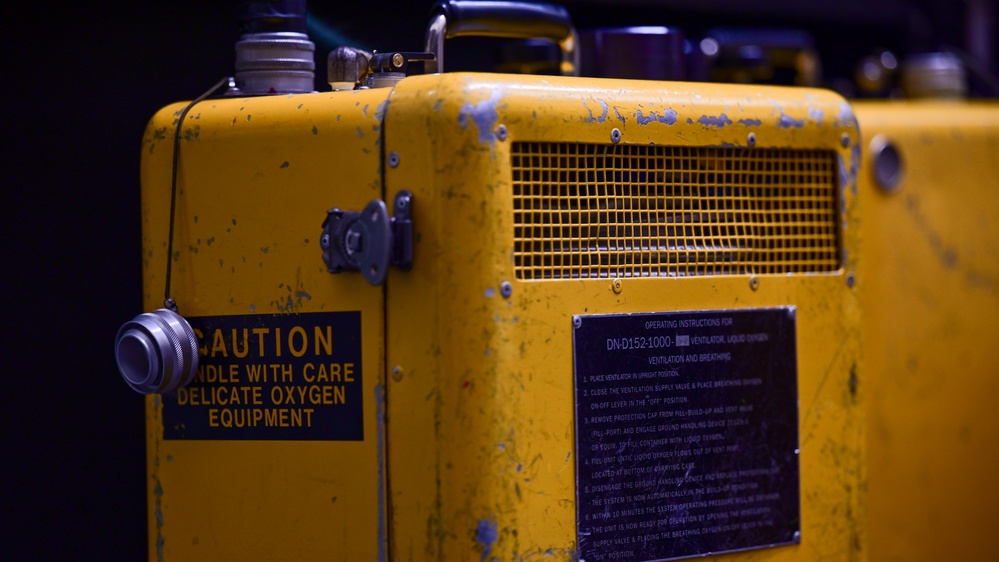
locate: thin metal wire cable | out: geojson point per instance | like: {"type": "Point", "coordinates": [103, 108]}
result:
{"type": "Point", "coordinates": [168, 301]}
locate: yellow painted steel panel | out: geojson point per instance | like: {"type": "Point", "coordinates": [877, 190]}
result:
{"type": "Point", "coordinates": [481, 445]}
{"type": "Point", "coordinates": [256, 176]}
{"type": "Point", "coordinates": [930, 293]}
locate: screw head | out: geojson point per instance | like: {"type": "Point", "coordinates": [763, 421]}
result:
{"type": "Point", "coordinates": [851, 280]}
{"type": "Point", "coordinates": [398, 60]}
{"type": "Point", "coordinates": [506, 289]}
{"type": "Point", "coordinates": [577, 321]}
{"type": "Point", "coordinates": [501, 132]}
{"type": "Point", "coordinates": [845, 140]}
{"type": "Point", "coordinates": [754, 282]}
{"type": "Point", "coordinates": [617, 286]}
{"type": "Point", "coordinates": [393, 159]}
{"type": "Point", "coordinates": [397, 373]}
{"type": "Point", "coordinates": [751, 139]}
{"type": "Point", "coordinates": [616, 135]}
{"type": "Point", "coordinates": [324, 242]}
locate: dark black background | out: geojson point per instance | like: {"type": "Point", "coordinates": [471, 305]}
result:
{"type": "Point", "coordinates": [79, 82]}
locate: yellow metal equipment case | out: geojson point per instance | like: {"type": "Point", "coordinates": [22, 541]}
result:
{"type": "Point", "coordinates": [929, 286]}
{"type": "Point", "coordinates": [677, 239]}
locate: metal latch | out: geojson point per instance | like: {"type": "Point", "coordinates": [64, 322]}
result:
{"type": "Point", "coordinates": [369, 241]}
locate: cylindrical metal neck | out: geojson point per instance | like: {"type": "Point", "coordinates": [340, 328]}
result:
{"type": "Point", "coordinates": [274, 55]}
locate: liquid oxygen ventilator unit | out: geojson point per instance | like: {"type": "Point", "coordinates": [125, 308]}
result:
{"type": "Point", "coordinates": [496, 316]}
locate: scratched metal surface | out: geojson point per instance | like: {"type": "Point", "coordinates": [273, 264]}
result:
{"type": "Point", "coordinates": [479, 398]}
{"type": "Point", "coordinates": [257, 176]}
{"type": "Point", "coordinates": [930, 293]}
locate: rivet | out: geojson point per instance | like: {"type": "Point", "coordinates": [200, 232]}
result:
{"type": "Point", "coordinates": [393, 159]}
{"type": "Point", "coordinates": [501, 132]}
{"type": "Point", "coordinates": [754, 282]}
{"type": "Point", "coordinates": [851, 280]}
{"type": "Point", "coordinates": [845, 140]}
{"type": "Point", "coordinates": [617, 286]}
{"type": "Point", "coordinates": [506, 289]}
{"type": "Point", "coordinates": [325, 241]}
{"type": "Point", "coordinates": [577, 322]}
{"type": "Point", "coordinates": [751, 139]}
{"type": "Point", "coordinates": [886, 164]}
{"type": "Point", "coordinates": [397, 373]}
{"type": "Point", "coordinates": [616, 135]}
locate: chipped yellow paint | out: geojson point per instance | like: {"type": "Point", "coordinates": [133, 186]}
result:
{"type": "Point", "coordinates": [930, 293]}
{"type": "Point", "coordinates": [481, 458]}
{"type": "Point", "coordinates": [256, 177]}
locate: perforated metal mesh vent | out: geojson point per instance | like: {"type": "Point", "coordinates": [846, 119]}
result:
{"type": "Point", "coordinates": [593, 210]}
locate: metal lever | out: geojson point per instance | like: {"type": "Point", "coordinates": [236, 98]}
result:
{"type": "Point", "coordinates": [518, 20]}
{"type": "Point", "coordinates": [369, 241]}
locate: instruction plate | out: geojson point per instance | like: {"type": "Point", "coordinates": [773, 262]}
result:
{"type": "Point", "coordinates": [686, 433]}
{"type": "Point", "coordinates": [272, 377]}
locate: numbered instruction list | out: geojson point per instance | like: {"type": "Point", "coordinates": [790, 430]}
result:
{"type": "Point", "coordinates": [686, 433]}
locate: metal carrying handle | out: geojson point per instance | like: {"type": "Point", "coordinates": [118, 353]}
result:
{"type": "Point", "coordinates": [517, 20]}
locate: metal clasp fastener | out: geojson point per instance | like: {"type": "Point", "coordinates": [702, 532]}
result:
{"type": "Point", "coordinates": [370, 241]}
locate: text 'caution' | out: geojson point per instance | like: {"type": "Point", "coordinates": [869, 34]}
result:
{"type": "Point", "coordinates": [272, 377]}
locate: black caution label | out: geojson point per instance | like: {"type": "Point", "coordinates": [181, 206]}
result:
{"type": "Point", "coordinates": [686, 433]}
{"type": "Point", "coordinates": [272, 377]}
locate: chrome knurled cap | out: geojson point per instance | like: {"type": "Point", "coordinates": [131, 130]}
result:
{"type": "Point", "coordinates": [157, 352]}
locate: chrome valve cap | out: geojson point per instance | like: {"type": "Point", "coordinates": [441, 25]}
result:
{"type": "Point", "coordinates": [157, 352]}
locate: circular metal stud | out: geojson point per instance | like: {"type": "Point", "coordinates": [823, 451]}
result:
{"type": "Point", "coordinates": [506, 289]}
{"type": "Point", "coordinates": [886, 164]}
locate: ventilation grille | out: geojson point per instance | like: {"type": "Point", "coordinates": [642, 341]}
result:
{"type": "Point", "coordinates": [597, 211]}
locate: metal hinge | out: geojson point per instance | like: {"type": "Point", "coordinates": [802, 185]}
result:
{"type": "Point", "coordinates": [370, 241]}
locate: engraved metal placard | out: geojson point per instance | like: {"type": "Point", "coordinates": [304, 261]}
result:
{"type": "Point", "coordinates": [686, 433]}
